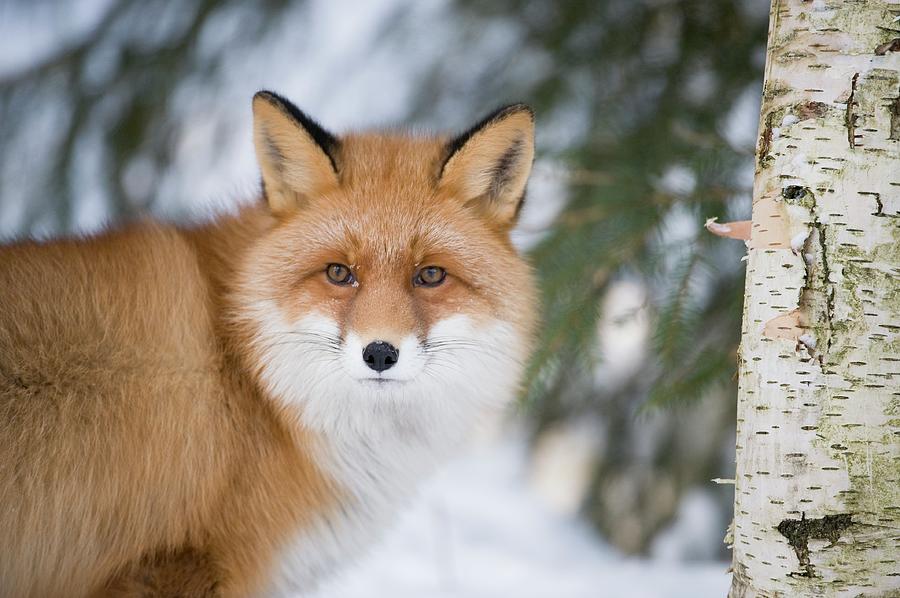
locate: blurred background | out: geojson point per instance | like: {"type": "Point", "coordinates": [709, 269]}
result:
{"type": "Point", "coordinates": [598, 483]}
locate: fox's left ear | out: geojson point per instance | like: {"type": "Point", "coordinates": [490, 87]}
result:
{"type": "Point", "coordinates": [488, 166]}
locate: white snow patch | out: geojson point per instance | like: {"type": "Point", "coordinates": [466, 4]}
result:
{"type": "Point", "coordinates": [678, 180]}
{"type": "Point", "coordinates": [547, 196]}
{"type": "Point", "coordinates": [564, 460]}
{"type": "Point", "coordinates": [693, 535]}
{"type": "Point", "coordinates": [478, 531]}
{"type": "Point", "coordinates": [789, 119]}
{"type": "Point", "coordinates": [622, 333]}
{"type": "Point", "coordinates": [798, 240]}
{"type": "Point", "coordinates": [808, 341]}
{"type": "Point", "coordinates": [739, 126]}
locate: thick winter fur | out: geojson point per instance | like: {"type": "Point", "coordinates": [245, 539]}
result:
{"type": "Point", "coordinates": [186, 411]}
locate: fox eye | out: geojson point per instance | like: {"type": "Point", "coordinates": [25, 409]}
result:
{"type": "Point", "coordinates": [430, 276]}
{"type": "Point", "coordinates": [339, 274]}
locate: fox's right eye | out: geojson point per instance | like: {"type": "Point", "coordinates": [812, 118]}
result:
{"type": "Point", "coordinates": [339, 274]}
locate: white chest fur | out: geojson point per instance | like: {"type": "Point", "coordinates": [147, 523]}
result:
{"type": "Point", "coordinates": [376, 477]}
{"type": "Point", "coordinates": [378, 440]}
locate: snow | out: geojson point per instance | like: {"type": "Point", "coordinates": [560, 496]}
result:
{"type": "Point", "coordinates": [678, 180]}
{"type": "Point", "coordinates": [808, 340]}
{"type": "Point", "coordinates": [33, 31]}
{"type": "Point", "coordinates": [478, 530]}
{"type": "Point", "coordinates": [739, 126]}
{"type": "Point", "coordinates": [798, 240]}
{"type": "Point", "coordinates": [623, 332]}
{"type": "Point", "coordinates": [688, 535]}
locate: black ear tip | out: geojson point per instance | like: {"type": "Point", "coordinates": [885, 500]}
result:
{"type": "Point", "coordinates": [515, 109]}
{"type": "Point", "coordinates": [325, 140]}
{"type": "Point", "coordinates": [270, 97]}
{"type": "Point", "coordinates": [497, 115]}
{"type": "Point", "coordinates": [286, 106]}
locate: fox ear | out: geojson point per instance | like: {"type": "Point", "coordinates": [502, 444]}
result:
{"type": "Point", "coordinates": [295, 154]}
{"type": "Point", "coordinates": [487, 167]}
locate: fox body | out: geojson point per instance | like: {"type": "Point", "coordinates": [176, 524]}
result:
{"type": "Point", "coordinates": [237, 407]}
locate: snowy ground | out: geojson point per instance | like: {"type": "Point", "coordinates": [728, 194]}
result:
{"type": "Point", "coordinates": [479, 531]}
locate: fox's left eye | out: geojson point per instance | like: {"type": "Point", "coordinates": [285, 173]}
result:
{"type": "Point", "coordinates": [339, 274]}
{"type": "Point", "coordinates": [430, 276]}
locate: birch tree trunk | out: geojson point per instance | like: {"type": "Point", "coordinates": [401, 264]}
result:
{"type": "Point", "coordinates": [817, 500]}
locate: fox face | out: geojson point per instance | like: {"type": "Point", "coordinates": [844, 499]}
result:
{"type": "Point", "coordinates": [387, 299]}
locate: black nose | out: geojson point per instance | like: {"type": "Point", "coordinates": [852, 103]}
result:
{"type": "Point", "coordinates": [380, 355]}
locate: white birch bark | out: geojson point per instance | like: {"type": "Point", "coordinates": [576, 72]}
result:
{"type": "Point", "coordinates": [817, 501]}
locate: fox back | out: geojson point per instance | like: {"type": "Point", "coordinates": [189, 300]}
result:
{"type": "Point", "coordinates": [239, 407]}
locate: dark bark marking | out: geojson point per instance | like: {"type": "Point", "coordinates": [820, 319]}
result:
{"type": "Point", "coordinates": [765, 140]}
{"type": "Point", "coordinates": [849, 117]}
{"type": "Point", "coordinates": [800, 531]}
{"type": "Point", "coordinates": [879, 205]}
{"type": "Point", "coordinates": [793, 192]}
{"type": "Point", "coordinates": [811, 110]}
{"type": "Point", "coordinates": [891, 46]}
{"type": "Point", "coordinates": [894, 109]}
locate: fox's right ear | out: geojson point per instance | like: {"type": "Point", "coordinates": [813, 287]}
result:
{"type": "Point", "coordinates": [295, 154]}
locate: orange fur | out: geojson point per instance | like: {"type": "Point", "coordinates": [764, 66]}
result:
{"type": "Point", "coordinates": [140, 453]}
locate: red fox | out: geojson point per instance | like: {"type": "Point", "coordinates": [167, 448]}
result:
{"type": "Point", "coordinates": [237, 407]}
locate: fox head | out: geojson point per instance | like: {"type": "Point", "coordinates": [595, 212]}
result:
{"type": "Point", "coordinates": [386, 297]}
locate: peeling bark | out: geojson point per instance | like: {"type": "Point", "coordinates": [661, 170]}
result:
{"type": "Point", "coordinates": [817, 487]}
{"type": "Point", "coordinates": [732, 230]}
{"type": "Point", "coordinates": [788, 326]}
